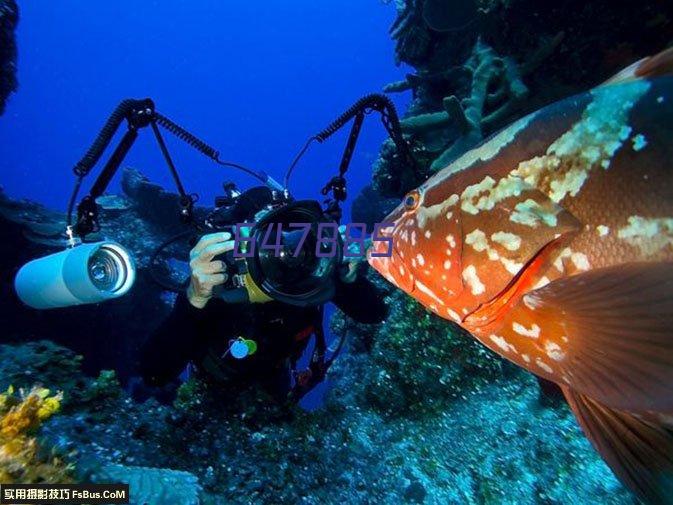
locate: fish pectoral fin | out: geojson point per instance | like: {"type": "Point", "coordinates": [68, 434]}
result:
{"type": "Point", "coordinates": [659, 65]}
{"type": "Point", "coordinates": [638, 450]}
{"type": "Point", "coordinates": [612, 329]}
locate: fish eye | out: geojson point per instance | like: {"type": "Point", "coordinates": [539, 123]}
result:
{"type": "Point", "coordinates": [412, 200]}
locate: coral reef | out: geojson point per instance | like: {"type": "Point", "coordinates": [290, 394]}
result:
{"type": "Point", "coordinates": [22, 460]}
{"type": "Point", "coordinates": [487, 441]}
{"type": "Point", "coordinates": [9, 17]}
{"type": "Point", "coordinates": [417, 413]}
{"type": "Point", "coordinates": [480, 65]}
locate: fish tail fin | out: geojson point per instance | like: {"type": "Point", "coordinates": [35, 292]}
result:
{"type": "Point", "coordinates": [653, 66]}
{"type": "Point", "coordinates": [638, 448]}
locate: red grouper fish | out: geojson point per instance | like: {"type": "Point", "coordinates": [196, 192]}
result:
{"type": "Point", "coordinates": [552, 243]}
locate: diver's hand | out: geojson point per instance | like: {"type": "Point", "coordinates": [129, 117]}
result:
{"type": "Point", "coordinates": [207, 272]}
{"type": "Point", "coordinates": [349, 271]}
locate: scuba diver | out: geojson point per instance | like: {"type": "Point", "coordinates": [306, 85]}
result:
{"type": "Point", "coordinates": [211, 323]}
{"type": "Point", "coordinates": [247, 314]}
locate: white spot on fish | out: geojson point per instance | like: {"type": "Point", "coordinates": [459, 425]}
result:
{"type": "Point", "coordinates": [526, 358]}
{"type": "Point", "coordinates": [602, 230]}
{"type": "Point", "coordinates": [533, 332]}
{"type": "Point", "coordinates": [591, 142]}
{"type": "Point", "coordinates": [554, 351]}
{"type": "Point", "coordinates": [639, 142]}
{"type": "Point", "coordinates": [413, 238]}
{"type": "Point", "coordinates": [509, 241]}
{"type": "Point", "coordinates": [472, 279]}
{"type": "Point", "coordinates": [477, 239]}
{"type": "Point", "coordinates": [426, 290]}
{"type": "Point", "coordinates": [580, 261]}
{"type": "Point", "coordinates": [447, 265]}
{"type": "Point", "coordinates": [486, 194]}
{"type": "Point", "coordinates": [502, 343]}
{"type": "Point", "coordinates": [402, 271]}
{"type": "Point", "coordinates": [531, 213]}
{"type": "Point", "coordinates": [451, 240]}
{"type": "Point", "coordinates": [542, 282]}
{"type": "Point", "coordinates": [420, 259]}
{"type": "Point", "coordinates": [449, 215]}
{"type": "Point", "coordinates": [427, 234]}
{"type": "Point", "coordinates": [543, 365]}
{"type": "Point", "coordinates": [511, 266]}
{"type": "Point", "coordinates": [453, 315]}
{"type": "Point", "coordinates": [650, 235]}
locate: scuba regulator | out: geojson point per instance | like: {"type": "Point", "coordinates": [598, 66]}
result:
{"type": "Point", "coordinates": [88, 272]}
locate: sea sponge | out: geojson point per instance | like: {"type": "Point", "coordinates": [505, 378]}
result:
{"type": "Point", "coordinates": [22, 459]}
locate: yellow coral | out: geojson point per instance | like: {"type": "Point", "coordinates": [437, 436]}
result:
{"type": "Point", "coordinates": [20, 417]}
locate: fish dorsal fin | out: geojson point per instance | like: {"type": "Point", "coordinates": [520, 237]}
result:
{"type": "Point", "coordinates": [611, 330]}
{"type": "Point", "coordinates": [653, 66]}
{"type": "Point", "coordinates": [638, 450]}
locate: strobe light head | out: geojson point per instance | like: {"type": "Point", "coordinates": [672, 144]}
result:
{"type": "Point", "coordinates": [86, 273]}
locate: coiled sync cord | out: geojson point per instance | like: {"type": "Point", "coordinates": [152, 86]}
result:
{"type": "Point", "coordinates": [140, 113]}
{"type": "Point", "coordinates": [365, 105]}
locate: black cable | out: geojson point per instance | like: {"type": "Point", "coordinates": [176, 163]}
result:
{"type": "Point", "coordinates": [102, 140]}
{"type": "Point", "coordinates": [187, 137]}
{"type": "Point", "coordinates": [202, 147]}
{"type": "Point", "coordinates": [366, 104]}
{"type": "Point", "coordinates": [73, 199]}
{"type": "Point", "coordinates": [288, 174]}
{"type": "Point", "coordinates": [176, 288]}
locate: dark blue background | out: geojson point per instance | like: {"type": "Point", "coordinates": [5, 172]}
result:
{"type": "Point", "coordinates": [254, 79]}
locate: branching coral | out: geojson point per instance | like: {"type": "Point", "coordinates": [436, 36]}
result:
{"type": "Point", "coordinates": [22, 460]}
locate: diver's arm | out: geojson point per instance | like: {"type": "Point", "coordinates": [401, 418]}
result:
{"type": "Point", "coordinates": [176, 341]}
{"type": "Point", "coordinates": [361, 300]}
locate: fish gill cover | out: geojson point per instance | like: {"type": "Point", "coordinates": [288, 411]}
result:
{"type": "Point", "coordinates": [417, 411]}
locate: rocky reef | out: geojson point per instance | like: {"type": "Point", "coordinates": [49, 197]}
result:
{"type": "Point", "coordinates": [468, 428]}
{"type": "Point", "coordinates": [9, 17]}
{"type": "Point", "coordinates": [480, 64]}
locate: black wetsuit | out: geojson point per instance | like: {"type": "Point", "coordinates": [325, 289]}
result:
{"type": "Point", "coordinates": [281, 331]}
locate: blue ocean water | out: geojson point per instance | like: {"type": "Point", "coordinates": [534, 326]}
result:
{"type": "Point", "coordinates": [253, 79]}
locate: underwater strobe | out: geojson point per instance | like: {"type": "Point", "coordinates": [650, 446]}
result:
{"type": "Point", "coordinates": [85, 273]}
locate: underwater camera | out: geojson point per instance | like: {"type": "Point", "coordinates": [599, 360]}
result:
{"type": "Point", "coordinates": [92, 272]}
{"type": "Point", "coordinates": [298, 268]}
